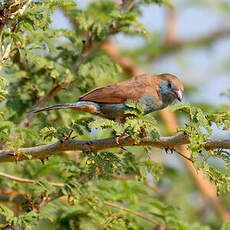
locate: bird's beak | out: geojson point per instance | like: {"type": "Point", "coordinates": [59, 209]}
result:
{"type": "Point", "coordinates": [179, 94]}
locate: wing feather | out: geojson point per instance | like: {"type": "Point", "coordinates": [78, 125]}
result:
{"type": "Point", "coordinates": [120, 92]}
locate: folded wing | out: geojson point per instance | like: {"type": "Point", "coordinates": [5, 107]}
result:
{"type": "Point", "coordinates": [132, 89]}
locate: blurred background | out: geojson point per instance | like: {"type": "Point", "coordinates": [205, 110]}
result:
{"type": "Point", "coordinates": [190, 39]}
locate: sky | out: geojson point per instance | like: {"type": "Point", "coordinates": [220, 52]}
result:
{"type": "Point", "coordinates": [198, 67]}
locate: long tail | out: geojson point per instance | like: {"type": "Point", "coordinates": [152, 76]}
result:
{"type": "Point", "coordinates": [86, 106]}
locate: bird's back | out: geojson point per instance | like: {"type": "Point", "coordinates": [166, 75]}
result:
{"type": "Point", "coordinates": [120, 92]}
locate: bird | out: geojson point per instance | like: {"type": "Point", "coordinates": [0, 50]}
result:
{"type": "Point", "coordinates": [152, 92]}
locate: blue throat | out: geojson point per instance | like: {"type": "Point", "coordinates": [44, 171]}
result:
{"type": "Point", "coordinates": [166, 94]}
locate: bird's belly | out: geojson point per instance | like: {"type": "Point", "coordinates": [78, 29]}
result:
{"type": "Point", "coordinates": [112, 111]}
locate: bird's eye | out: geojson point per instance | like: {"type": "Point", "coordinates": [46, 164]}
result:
{"type": "Point", "coordinates": [169, 84]}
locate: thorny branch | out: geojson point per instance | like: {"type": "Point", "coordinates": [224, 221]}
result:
{"type": "Point", "coordinates": [43, 151]}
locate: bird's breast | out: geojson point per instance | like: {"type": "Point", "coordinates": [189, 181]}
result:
{"type": "Point", "coordinates": [112, 110]}
{"type": "Point", "coordinates": [150, 103]}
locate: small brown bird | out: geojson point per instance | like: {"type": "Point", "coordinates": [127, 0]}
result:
{"type": "Point", "coordinates": [153, 92]}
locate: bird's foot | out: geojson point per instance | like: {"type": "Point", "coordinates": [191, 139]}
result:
{"type": "Point", "coordinates": [122, 136]}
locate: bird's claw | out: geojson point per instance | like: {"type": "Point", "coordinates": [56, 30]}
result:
{"type": "Point", "coordinates": [118, 138]}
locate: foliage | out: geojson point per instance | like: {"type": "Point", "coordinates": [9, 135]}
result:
{"type": "Point", "coordinates": [110, 189]}
{"type": "Point", "coordinates": [198, 129]}
{"type": "Point", "coordinates": [136, 126]}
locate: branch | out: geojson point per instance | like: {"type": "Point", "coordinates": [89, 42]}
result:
{"type": "Point", "coordinates": [130, 211]}
{"type": "Point", "coordinates": [115, 176]}
{"type": "Point", "coordinates": [43, 151]}
{"type": "Point", "coordinates": [22, 10]}
{"type": "Point", "coordinates": [18, 179]}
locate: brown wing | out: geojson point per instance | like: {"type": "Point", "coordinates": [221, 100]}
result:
{"type": "Point", "coordinates": [120, 92]}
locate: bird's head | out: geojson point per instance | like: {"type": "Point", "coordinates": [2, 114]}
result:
{"type": "Point", "coordinates": [170, 88]}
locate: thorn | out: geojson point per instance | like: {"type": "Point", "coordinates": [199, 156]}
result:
{"type": "Point", "coordinates": [172, 150]}
{"type": "Point", "coordinates": [185, 133]}
{"type": "Point", "coordinates": [70, 134]}
{"type": "Point", "coordinates": [166, 150]}
{"type": "Point", "coordinates": [124, 148]}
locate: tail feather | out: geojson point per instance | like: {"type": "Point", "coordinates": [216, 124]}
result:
{"type": "Point", "coordinates": [53, 107]}
{"type": "Point", "coordinates": [86, 106]}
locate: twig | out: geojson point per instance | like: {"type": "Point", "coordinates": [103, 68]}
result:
{"type": "Point", "coordinates": [6, 226]}
{"type": "Point", "coordinates": [22, 10]}
{"type": "Point", "coordinates": [130, 211]}
{"type": "Point", "coordinates": [181, 154]}
{"type": "Point", "coordinates": [126, 5]}
{"type": "Point", "coordinates": [47, 200]}
{"type": "Point", "coordinates": [24, 180]}
{"type": "Point", "coordinates": [119, 177]}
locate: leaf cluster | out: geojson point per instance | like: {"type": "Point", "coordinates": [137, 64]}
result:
{"type": "Point", "coordinates": [198, 129]}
